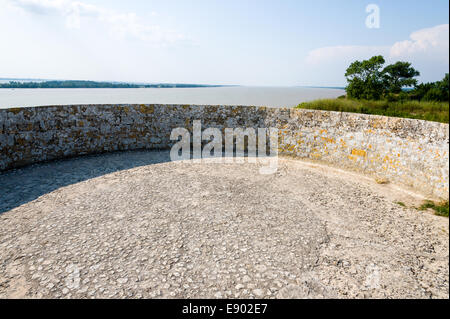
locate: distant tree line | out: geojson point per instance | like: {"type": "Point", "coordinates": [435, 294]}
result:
{"type": "Point", "coordinates": [89, 84]}
{"type": "Point", "coordinates": [368, 80]}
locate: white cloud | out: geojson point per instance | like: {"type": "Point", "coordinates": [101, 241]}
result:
{"type": "Point", "coordinates": [427, 49]}
{"type": "Point", "coordinates": [119, 24]}
{"type": "Point", "coordinates": [39, 6]}
{"type": "Point", "coordinates": [432, 42]}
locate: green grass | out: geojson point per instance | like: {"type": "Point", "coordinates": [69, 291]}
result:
{"type": "Point", "coordinates": [429, 111]}
{"type": "Point", "coordinates": [440, 209]}
{"type": "Point", "coordinates": [401, 204]}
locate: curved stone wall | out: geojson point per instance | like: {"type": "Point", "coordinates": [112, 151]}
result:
{"type": "Point", "coordinates": [405, 151]}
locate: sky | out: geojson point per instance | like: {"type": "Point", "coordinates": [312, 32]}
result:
{"type": "Point", "coordinates": [232, 42]}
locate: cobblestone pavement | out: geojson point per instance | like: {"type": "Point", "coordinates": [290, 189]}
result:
{"type": "Point", "coordinates": [133, 225]}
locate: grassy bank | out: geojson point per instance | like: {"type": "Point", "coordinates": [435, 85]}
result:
{"type": "Point", "coordinates": [440, 209]}
{"type": "Point", "coordinates": [430, 111]}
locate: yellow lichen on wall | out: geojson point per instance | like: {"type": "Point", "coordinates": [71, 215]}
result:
{"type": "Point", "coordinates": [358, 152]}
{"type": "Point", "coordinates": [329, 140]}
{"type": "Point", "coordinates": [147, 109]}
{"type": "Point", "coordinates": [15, 110]}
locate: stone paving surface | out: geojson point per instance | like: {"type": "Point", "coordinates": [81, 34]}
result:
{"type": "Point", "coordinates": [133, 225]}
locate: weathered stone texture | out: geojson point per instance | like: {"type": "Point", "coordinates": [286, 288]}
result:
{"type": "Point", "coordinates": [410, 152]}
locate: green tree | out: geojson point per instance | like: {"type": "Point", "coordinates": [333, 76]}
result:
{"type": "Point", "coordinates": [399, 75]}
{"type": "Point", "coordinates": [444, 86]}
{"type": "Point", "coordinates": [434, 91]}
{"type": "Point", "coordinates": [421, 90]}
{"type": "Point", "coordinates": [365, 79]}
{"type": "Point", "coordinates": [433, 94]}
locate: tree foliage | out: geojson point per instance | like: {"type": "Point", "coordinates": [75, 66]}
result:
{"type": "Point", "coordinates": [364, 78]}
{"type": "Point", "coordinates": [434, 91]}
{"type": "Point", "coordinates": [368, 80]}
{"type": "Point", "coordinates": [399, 75]}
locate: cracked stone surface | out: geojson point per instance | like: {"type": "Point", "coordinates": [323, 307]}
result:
{"type": "Point", "coordinates": [134, 225]}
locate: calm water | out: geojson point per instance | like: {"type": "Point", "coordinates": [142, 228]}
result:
{"type": "Point", "coordinates": [261, 96]}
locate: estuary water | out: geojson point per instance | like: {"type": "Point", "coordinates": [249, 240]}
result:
{"type": "Point", "coordinates": [239, 95]}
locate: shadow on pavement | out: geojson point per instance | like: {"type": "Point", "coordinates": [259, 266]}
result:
{"type": "Point", "coordinates": [21, 186]}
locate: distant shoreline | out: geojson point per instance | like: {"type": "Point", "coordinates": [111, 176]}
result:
{"type": "Point", "coordinates": [323, 87]}
{"type": "Point", "coordinates": [28, 83]}
{"type": "Point", "coordinates": [93, 84]}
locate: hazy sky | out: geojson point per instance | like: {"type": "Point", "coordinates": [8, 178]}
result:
{"type": "Point", "coordinates": [247, 42]}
